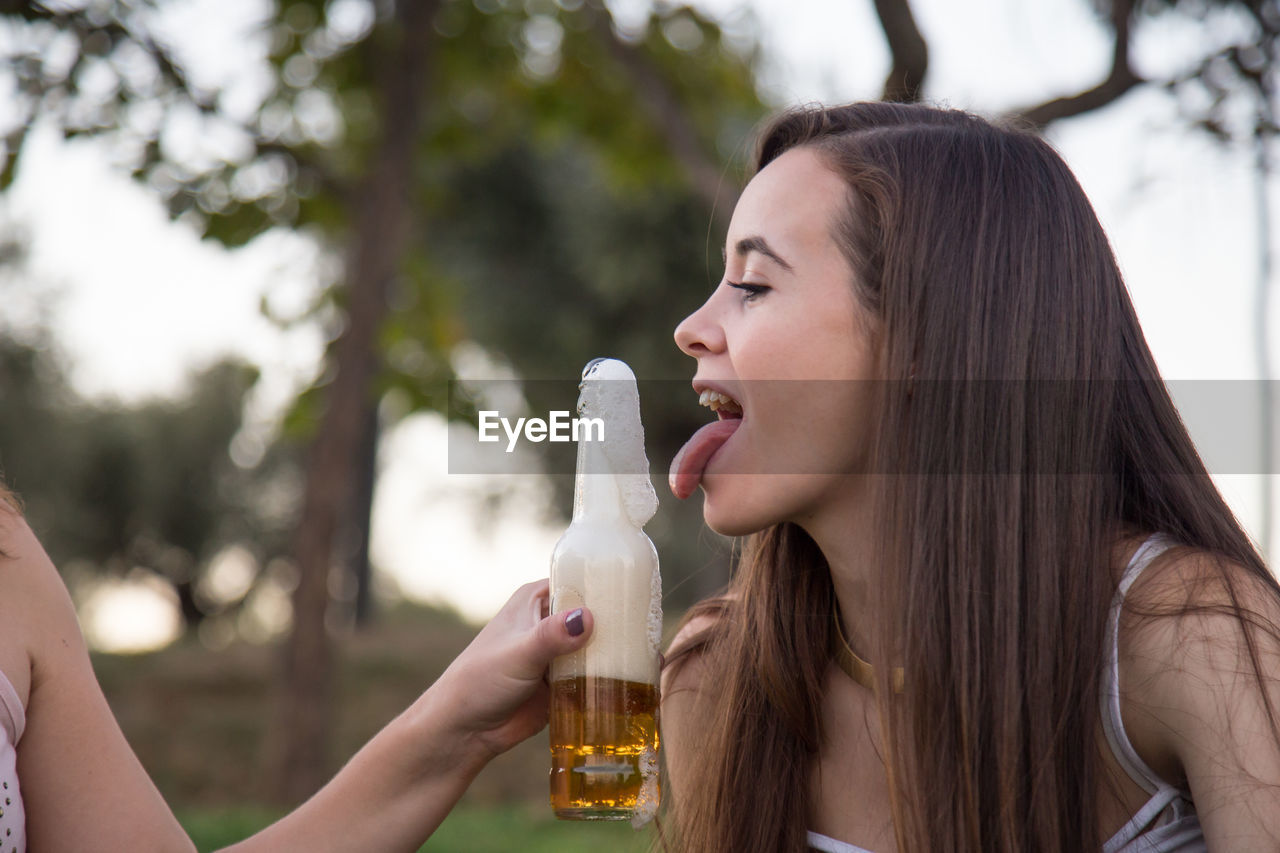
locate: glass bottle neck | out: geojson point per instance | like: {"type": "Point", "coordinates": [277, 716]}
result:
{"type": "Point", "coordinates": [596, 495]}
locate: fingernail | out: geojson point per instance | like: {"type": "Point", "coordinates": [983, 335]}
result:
{"type": "Point", "coordinates": [573, 623]}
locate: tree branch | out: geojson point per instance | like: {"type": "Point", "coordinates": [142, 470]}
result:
{"type": "Point", "coordinates": [670, 118]}
{"type": "Point", "coordinates": [1119, 80]}
{"type": "Point", "coordinates": [907, 49]}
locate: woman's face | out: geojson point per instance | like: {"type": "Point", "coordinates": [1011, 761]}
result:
{"type": "Point", "coordinates": [785, 338]}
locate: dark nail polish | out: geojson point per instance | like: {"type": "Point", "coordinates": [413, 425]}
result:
{"type": "Point", "coordinates": [573, 623]}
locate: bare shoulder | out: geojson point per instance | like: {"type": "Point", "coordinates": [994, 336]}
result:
{"type": "Point", "coordinates": [1200, 663]}
{"type": "Point", "coordinates": [1192, 607]}
{"type": "Point", "coordinates": [35, 607]}
{"type": "Point", "coordinates": [684, 658]}
{"type": "Point", "coordinates": [72, 750]}
{"type": "Point", "coordinates": [1197, 613]}
{"type": "Point", "coordinates": [684, 721]}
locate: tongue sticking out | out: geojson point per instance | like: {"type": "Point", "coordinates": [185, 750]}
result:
{"type": "Point", "coordinates": [687, 467]}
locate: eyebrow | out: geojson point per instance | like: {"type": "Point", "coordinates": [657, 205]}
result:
{"type": "Point", "coordinates": [747, 245]}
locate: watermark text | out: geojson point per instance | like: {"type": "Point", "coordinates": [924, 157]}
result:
{"type": "Point", "coordinates": [558, 426]}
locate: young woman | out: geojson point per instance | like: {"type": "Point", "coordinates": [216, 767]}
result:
{"type": "Point", "coordinates": [69, 782]}
{"type": "Point", "coordinates": [991, 600]}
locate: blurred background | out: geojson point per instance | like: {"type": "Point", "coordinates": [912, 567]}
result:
{"type": "Point", "coordinates": [246, 247]}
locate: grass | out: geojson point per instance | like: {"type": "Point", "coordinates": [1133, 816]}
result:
{"type": "Point", "coordinates": [474, 829]}
{"type": "Point", "coordinates": [213, 829]}
{"type": "Point", "coordinates": [503, 830]}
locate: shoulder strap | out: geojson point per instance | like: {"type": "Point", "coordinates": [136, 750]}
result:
{"type": "Point", "coordinates": [12, 715]}
{"type": "Point", "coordinates": [1112, 723]}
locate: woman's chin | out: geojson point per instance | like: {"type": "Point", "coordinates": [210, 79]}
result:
{"type": "Point", "coordinates": [732, 529]}
{"type": "Point", "coordinates": [729, 509]}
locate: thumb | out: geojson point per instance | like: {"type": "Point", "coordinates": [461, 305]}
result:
{"type": "Point", "coordinates": [557, 634]}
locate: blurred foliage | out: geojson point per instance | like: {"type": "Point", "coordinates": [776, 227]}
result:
{"type": "Point", "coordinates": [589, 270]}
{"type": "Point", "coordinates": [147, 486]}
{"type": "Point", "coordinates": [561, 213]}
{"type": "Point", "coordinates": [561, 194]}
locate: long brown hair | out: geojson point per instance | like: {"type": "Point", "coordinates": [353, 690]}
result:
{"type": "Point", "coordinates": [8, 498]}
{"type": "Point", "coordinates": [9, 504]}
{"type": "Point", "coordinates": [1024, 426]}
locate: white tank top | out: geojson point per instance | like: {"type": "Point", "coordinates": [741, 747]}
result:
{"type": "Point", "coordinates": [13, 719]}
{"type": "Point", "coordinates": [1166, 823]}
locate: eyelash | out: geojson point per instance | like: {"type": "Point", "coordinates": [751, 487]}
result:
{"type": "Point", "coordinates": [749, 291]}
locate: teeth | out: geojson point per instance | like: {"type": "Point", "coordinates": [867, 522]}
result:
{"type": "Point", "coordinates": [716, 401]}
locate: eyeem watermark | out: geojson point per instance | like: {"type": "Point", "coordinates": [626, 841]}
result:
{"type": "Point", "coordinates": [1228, 421]}
{"type": "Point", "coordinates": [559, 426]}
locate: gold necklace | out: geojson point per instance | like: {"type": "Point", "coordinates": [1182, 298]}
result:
{"type": "Point", "coordinates": [855, 667]}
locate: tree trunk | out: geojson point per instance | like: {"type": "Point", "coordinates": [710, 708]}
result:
{"type": "Point", "coordinates": [380, 234]}
{"type": "Point", "coordinates": [361, 524]}
{"type": "Point", "coordinates": [1262, 319]}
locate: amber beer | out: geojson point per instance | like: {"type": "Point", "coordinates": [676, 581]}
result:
{"type": "Point", "coordinates": [604, 747]}
{"type": "Point", "coordinates": [604, 697]}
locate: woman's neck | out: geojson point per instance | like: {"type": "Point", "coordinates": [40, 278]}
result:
{"type": "Point", "coordinates": [842, 529]}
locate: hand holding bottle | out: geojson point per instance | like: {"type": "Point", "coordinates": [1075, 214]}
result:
{"type": "Point", "coordinates": [495, 693]}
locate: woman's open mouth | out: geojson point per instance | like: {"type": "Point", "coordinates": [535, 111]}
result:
{"type": "Point", "coordinates": [722, 404]}
{"type": "Point", "coordinates": [690, 463]}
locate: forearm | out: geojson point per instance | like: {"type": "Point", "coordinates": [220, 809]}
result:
{"type": "Point", "coordinates": [390, 796]}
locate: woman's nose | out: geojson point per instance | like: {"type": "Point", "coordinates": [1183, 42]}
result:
{"type": "Point", "coordinates": [699, 333]}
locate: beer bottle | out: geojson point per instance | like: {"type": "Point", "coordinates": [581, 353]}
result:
{"type": "Point", "coordinates": [604, 697]}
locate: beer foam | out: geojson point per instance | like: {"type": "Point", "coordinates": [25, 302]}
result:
{"type": "Point", "coordinates": [648, 799]}
{"type": "Point", "coordinates": [605, 561]}
{"type": "Point", "coordinates": [655, 610]}
{"type": "Point", "coordinates": [613, 570]}
{"type": "Point", "coordinates": [609, 392]}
